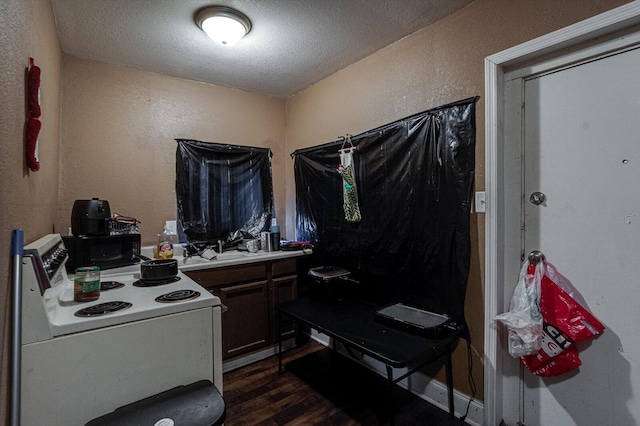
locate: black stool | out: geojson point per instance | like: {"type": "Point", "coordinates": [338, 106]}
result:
{"type": "Point", "coordinates": [197, 404]}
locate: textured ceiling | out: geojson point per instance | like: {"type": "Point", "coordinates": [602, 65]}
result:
{"type": "Point", "coordinates": [292, 44]}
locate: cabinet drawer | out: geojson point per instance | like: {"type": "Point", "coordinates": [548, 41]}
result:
{"type": "Point", "coordinates": [225, 276]}
{"type": "Point", "coordinates": [286, 267]}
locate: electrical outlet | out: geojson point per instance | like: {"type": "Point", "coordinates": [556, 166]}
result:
{"type": "Point", "coordinates": [480, 202]}
{"type": "Point", "coordinates": [172, 227]}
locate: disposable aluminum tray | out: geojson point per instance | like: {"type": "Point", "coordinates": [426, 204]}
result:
{"type": "Point", "coordinates": [327, 273]}
{"type": "Point", "coordinates": [428, 324]}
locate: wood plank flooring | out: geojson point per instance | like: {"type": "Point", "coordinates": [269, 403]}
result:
{"type": "Point", "coordinates": [320, 387]}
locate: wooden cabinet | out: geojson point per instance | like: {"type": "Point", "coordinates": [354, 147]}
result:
{"type": "Point", "coordinates": [250, 292]}
{"type": "Point", "coordinates": [284, 288]}
{"type": "Point", "coordinates": [245, 325]}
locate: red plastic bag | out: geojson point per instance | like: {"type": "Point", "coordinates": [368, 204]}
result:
{"type": "Point", "coordinates": [566, 320]}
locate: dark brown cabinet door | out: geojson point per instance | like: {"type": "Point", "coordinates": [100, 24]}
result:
{"type": "Point", "coordinates": [284, 289]}
{"type": "Point", "coordinates": [245, 325]}
{"type": "Point", "coordinates": [249, 293]}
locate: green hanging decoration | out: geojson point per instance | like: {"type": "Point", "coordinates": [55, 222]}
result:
{"type": "Point", "coordinates": [349, 189]}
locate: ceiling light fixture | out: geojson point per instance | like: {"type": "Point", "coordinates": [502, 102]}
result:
{"type": "Point", "coordinates": [222, 24]}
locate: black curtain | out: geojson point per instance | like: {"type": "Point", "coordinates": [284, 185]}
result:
{"type": "Point", "coordinates": [221, 189]}
{"type": "Point", "coordinates": [414, 179]}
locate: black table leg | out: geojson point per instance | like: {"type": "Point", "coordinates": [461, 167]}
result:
{"type": "Point", "coordinates": [392, 411]}
{"type": "Point", "coordinates": [449, 374]}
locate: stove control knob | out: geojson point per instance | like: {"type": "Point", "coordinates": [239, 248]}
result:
{"type": "Point", "coordinates": [60, 255]}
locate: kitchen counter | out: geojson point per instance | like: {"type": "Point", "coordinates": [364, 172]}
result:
{"type": "Point", "coordinates": [235, 258]}
{"type": "Point", "coordinates": [229, 258]}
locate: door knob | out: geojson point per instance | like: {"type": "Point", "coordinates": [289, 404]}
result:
{"type": "Point", "coordinates": [536, 256]}
{"type": "Point", "coordinates": [537, 198]}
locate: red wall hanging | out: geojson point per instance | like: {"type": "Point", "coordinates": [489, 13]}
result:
{"type": "Point", "coordinates": [33, 112]}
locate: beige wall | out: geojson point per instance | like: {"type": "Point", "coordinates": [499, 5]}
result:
{"type": "Point", "coordinates": [28, 200]}
{"type": "Point", "coordinates": [436, 65]}
{"type": "Point", "coordinates": [118, 131]}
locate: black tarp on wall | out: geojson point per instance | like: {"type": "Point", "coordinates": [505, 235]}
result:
{"type": "Point", "coordinates": [414, 180]}
{"type": "Point", "coordinates": [221, 189]}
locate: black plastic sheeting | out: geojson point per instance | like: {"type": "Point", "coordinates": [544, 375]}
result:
{"type": "Point", "coordinates": [222, 189]}
{"type": "Point", "coordinates": [415, 179]}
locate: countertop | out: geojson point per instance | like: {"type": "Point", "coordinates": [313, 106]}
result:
{"type": "Point", "coordinates": [229, 258]}
{"type": "Point", "coordinates": [234, 258]}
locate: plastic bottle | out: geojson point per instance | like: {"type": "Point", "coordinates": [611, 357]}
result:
{"type": "Point", "coordinates": [275, 237]}
{"type": "Point", "coordinates": [164, 249]}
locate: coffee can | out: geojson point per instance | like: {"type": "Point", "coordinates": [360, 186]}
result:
{"type": "Point", "coordinates": [265, 241]}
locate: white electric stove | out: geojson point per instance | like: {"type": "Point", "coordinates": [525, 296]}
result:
{"type": "Point", "coordinates": [83, 360]}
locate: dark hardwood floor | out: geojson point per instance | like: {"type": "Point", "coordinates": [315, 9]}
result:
{"type": "Point", "coordinates": [320, 387]}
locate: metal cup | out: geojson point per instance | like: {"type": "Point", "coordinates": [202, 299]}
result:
{"type": "Point", "coordinates": [265, 241]}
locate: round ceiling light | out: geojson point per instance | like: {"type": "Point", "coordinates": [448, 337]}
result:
{"type": "Point", "coordinates": [222, 24]}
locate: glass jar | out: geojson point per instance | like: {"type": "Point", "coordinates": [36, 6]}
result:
{"type": "Point", "coordinates": [86, 284]}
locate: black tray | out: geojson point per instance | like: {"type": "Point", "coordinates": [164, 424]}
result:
{"type": "Point", "coordinates": [425, 323]}
{"type": "Point", "coordinates": [327, 273]}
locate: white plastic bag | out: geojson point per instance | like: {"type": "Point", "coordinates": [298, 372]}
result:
{"type": "Point", "coordinates": [524, 319]}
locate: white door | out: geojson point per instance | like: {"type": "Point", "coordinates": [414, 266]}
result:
{"type": "Point", "coordinates": [581, 131]}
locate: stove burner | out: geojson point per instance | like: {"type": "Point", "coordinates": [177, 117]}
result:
{"type": "Point", "coordinates": [110, 285]}
{"type": "Point", "coordinates": [152, 283]}
{"type": "Point", "coordinates": [178, 296]}
{"type": "Point", "coordinates": [103, 309]}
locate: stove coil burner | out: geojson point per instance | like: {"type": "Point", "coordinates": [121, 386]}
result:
{"type": "Point", "coordinates": [103, 309]}
{"type": "Point", "coordinates": [152, 283]}
{"type": "Point", "coordinates": [178, 296]}
{"type": "Point", "coordinates": [110, 285]}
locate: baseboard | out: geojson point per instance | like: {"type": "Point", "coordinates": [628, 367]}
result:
{"type": "Point", "coordinates": [435, 392]}
{"type": "Point", "coordinates": [256, 356]}
{"type": "Point", "coordinates": [427, 388]}
{"type": "Point", "coordinates": [323, 339]}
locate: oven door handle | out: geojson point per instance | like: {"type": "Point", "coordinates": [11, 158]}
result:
{"type": "Point", "coordinates": [223, 308]}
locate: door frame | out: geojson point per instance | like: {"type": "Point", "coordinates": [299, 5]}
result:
{"type": "Point", "coordinates": [504, 168]}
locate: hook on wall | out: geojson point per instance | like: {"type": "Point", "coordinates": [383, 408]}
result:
{"type": "Point", "coordinates": [346, 139]}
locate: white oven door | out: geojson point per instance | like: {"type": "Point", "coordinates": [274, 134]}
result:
{"type": "Point", "coordinates": [72, 379]}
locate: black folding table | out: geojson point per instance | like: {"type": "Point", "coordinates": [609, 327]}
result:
{"type": "Point", "coordinates": [352, 323]}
